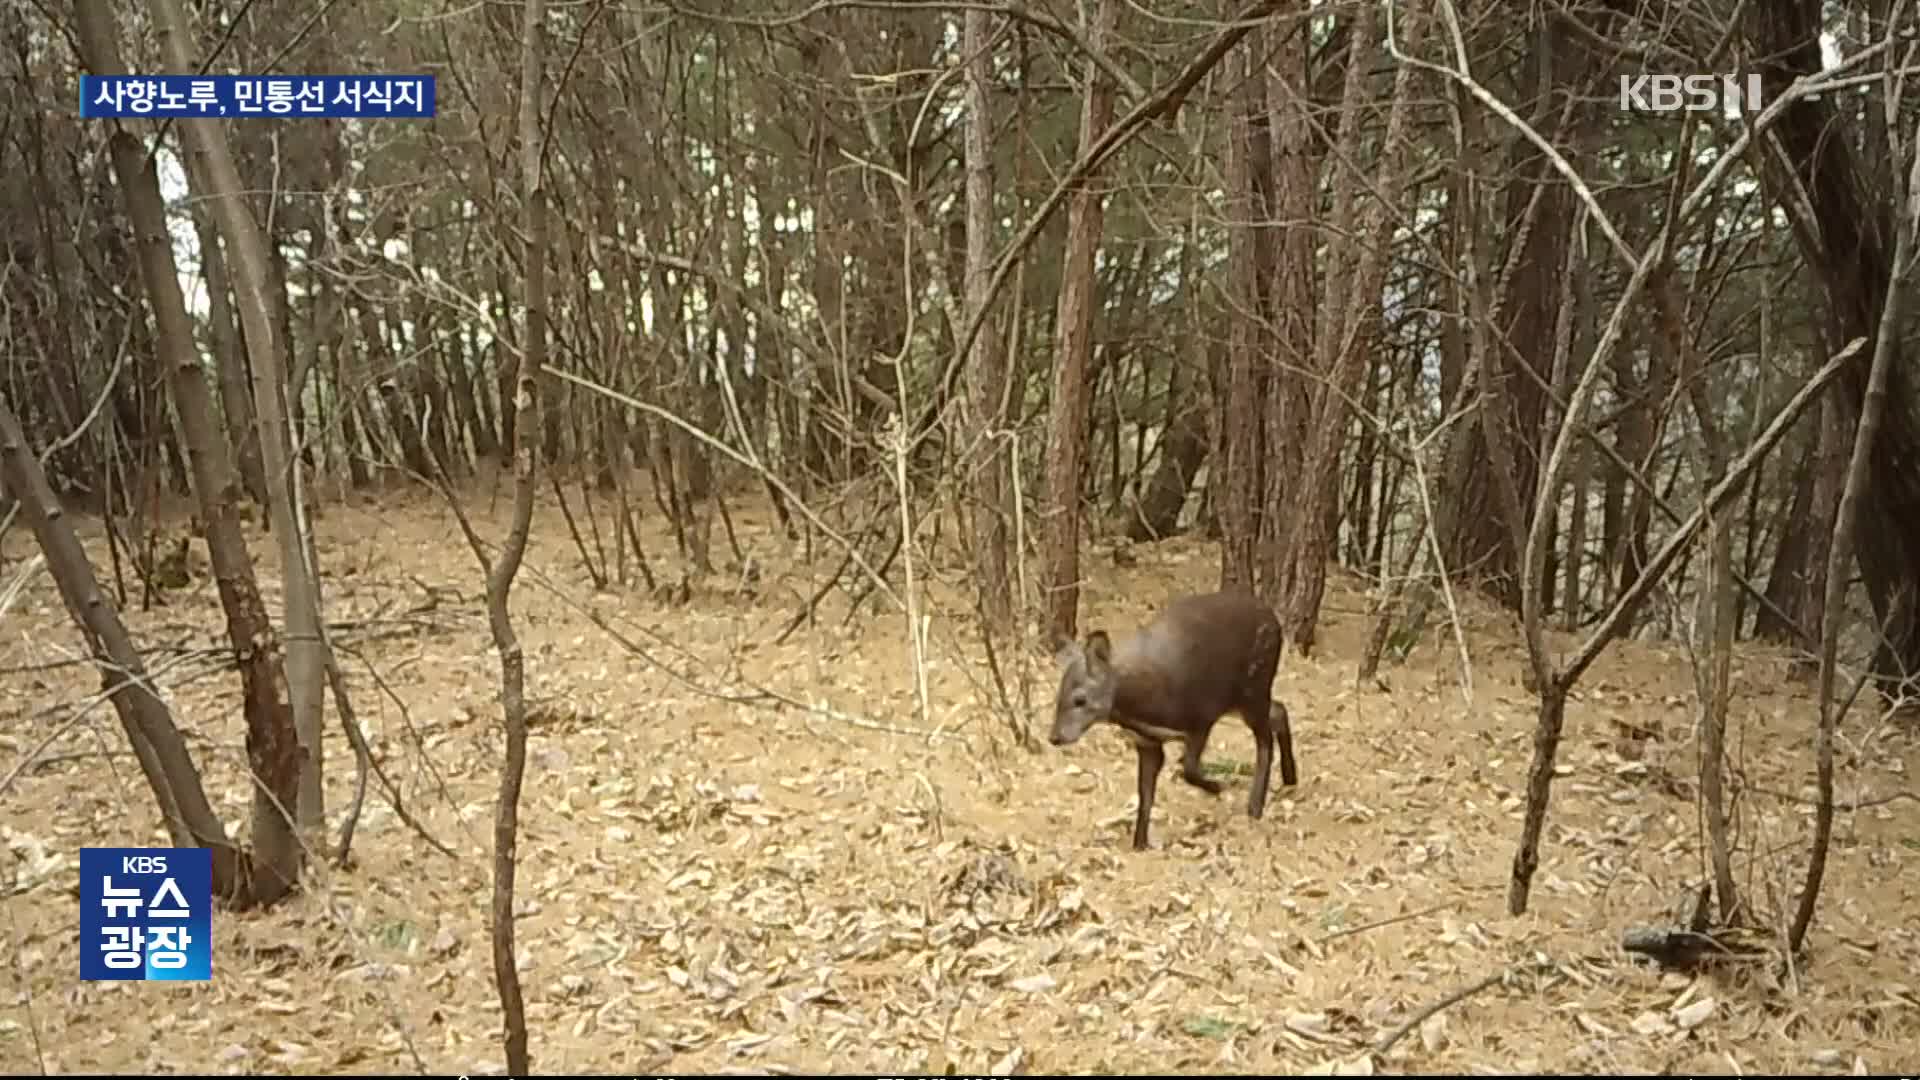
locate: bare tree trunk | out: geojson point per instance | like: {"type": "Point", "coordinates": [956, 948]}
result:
{"type": "Point", "coordinates": [1341, 357]}
{"type": "Point", "coordinates": [306, 655]}
{"type": "Point", "coordinates": [1784, 619]}
{"type": "Point", "coordinates": [1355, 507]}
{"type": "Point", "coordinates": [273, 293]}
{"type": "Point", "coordinates": [1241, 452]}
{"type": "Point", "coordinates": [1841, 552]}
{"type": "Point", "coordinates": [1843, 222]}
{"type": "Point", "coordinates": [987, 365]}
{"type": "Point", "coordinates": [1558, 72]}
{"type": "Point", "coordinates": [229, 359]}
{"type": "Point", "coordinates": [477, 393]}
{"type": "Point", "coordinates": [1459, 375]}
{"type": "Point", "coordinates": [1572, 566]}
{"type": "Point", "coordinates": [425, 383]}
{"type": "Point", "coordinates": [1066, 449]}
{"type": "Point", "coordinates": [525, 406]}
{"type": "Point", "coordinates": [1642, 428]}
{"type": "Point", "coordinates": [1713, 673]}
{"type": "Point", "coordinates": [1495, 414]}
{"type": "Point", "coordinates": [343, 365]}
{"type": "Point", "coordinates": [1182, 450]}
{"type": "Point", "coordinates": [1288, 172]}
{"type": "Point", "coordinates": [157, 745]}
{"type": "Point", "coordinates": [272, 748]}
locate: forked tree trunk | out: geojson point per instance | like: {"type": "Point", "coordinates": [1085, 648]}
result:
{"type": "Point", "coordinates": [272, 748]}
{"type": "Point", "coordinates": [266, 346]}
{"type": "Point", "coordinates": [1714, 671]}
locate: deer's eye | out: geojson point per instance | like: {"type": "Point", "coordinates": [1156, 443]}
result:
{"type": "Point", "coordinates": [1079, 701]}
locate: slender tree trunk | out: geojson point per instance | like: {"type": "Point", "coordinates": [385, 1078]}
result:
{"type": "Point", "coordinates": [1342, 358]}
{"type": "Point", "coordinates": [986, 367]}
{"type": "Point", "coordinates": [525, 404]}
{"type": "Point", "coordinates": [1242, 452]}
{"type": "Point", "coordinates": [1715, 671]}
{"type": "Point", "coordinates": [157, 746]}
{"type": "Point", "coordinates": [1066, 449]}
{"type": "Point", "coordinates": [1573, 564]}
{"type": "Point", "coordinates": [1182, 451]}
{"type": "Point", "coordinates": [306, 656]}
{"type": "Point", "coordinates": [1847, 521]}
{"type": "Point", "coordinates": [1560, 71]}
{"type": "Point", "coordinates": [1787, 580]}
{"type": "Point", "coordinates": [229, 358]}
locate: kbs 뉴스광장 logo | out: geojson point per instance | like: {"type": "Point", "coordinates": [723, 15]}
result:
{"type": "Point", "coordinates": [146, 914]}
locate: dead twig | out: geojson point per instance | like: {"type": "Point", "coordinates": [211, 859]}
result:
{"type": "Point", "coordinates": [1842, 805]}
{"type": "Point", "coordinates": [1349, 931]}
{"type": "Point", "coordinates": [1420, 1017]}
{"type": "Point", "coordinates": [366, 762]}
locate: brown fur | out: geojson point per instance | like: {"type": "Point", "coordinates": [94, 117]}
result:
{"type": "Point", "coordinates": [1204, 656]}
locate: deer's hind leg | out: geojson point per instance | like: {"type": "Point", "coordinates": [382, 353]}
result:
{"type": "Point", "coordinates": [1190, 770]}
{"type": "Point", "coordinates": [1255, 714]}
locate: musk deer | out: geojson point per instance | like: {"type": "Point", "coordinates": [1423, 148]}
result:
{"type": "Point", "coordinates": [1203, 657]}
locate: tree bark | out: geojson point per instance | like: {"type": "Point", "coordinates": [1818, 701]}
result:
{"type": "Point", "coordinates": [306, 656]}
{"type": "Point", "coordinates": [1344, 361]}
{"type": "Point", "coordinates": [525, 374]}
{"type": "Point", "coordinates": [272, 747]}
{"type": "Point", "coordinates": [1066, 448]}
{"type": "Point", "coordinates": [987, 365]}
{"type": "Point", "coordinates": [1846, 239]}
{"type": "Point", "coordinates": [1293, 158]}
{"type": "Point", "coordinates": [230, 361]}
{"type": "Point", "coordinates": [1241, 452]}
{"type": "Point", "coordinates": [157, 745]}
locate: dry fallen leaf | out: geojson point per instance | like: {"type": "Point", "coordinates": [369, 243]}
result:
{"type": "Point", "coordinates": [1651, 1023]}
{"type": "Point", "coordinates": [1033, 984]}
{"type": "Point", "coordinates": [1357, 1066]}
{"type": "Point", "coordinates": [1693, 1014]}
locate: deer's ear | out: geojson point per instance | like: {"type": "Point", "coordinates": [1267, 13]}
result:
{"type": "Point", "coordinates": [1065, 650]}
{"type": "Point", "coordinates": [1098, 647]}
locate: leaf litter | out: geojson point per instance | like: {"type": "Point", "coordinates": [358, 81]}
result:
{"type": "Point", "coordinates": [707, 885]}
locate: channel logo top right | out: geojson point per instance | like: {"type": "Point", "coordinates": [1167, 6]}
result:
{"type": "Point", "coordinates": [1690, 93]}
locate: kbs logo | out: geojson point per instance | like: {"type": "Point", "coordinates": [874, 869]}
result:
{"type": "Point", "coordinates": [1689, 93]}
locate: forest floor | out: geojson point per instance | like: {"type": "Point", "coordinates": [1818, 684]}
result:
{"type": "Point", "coordinates": [710, 880]}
